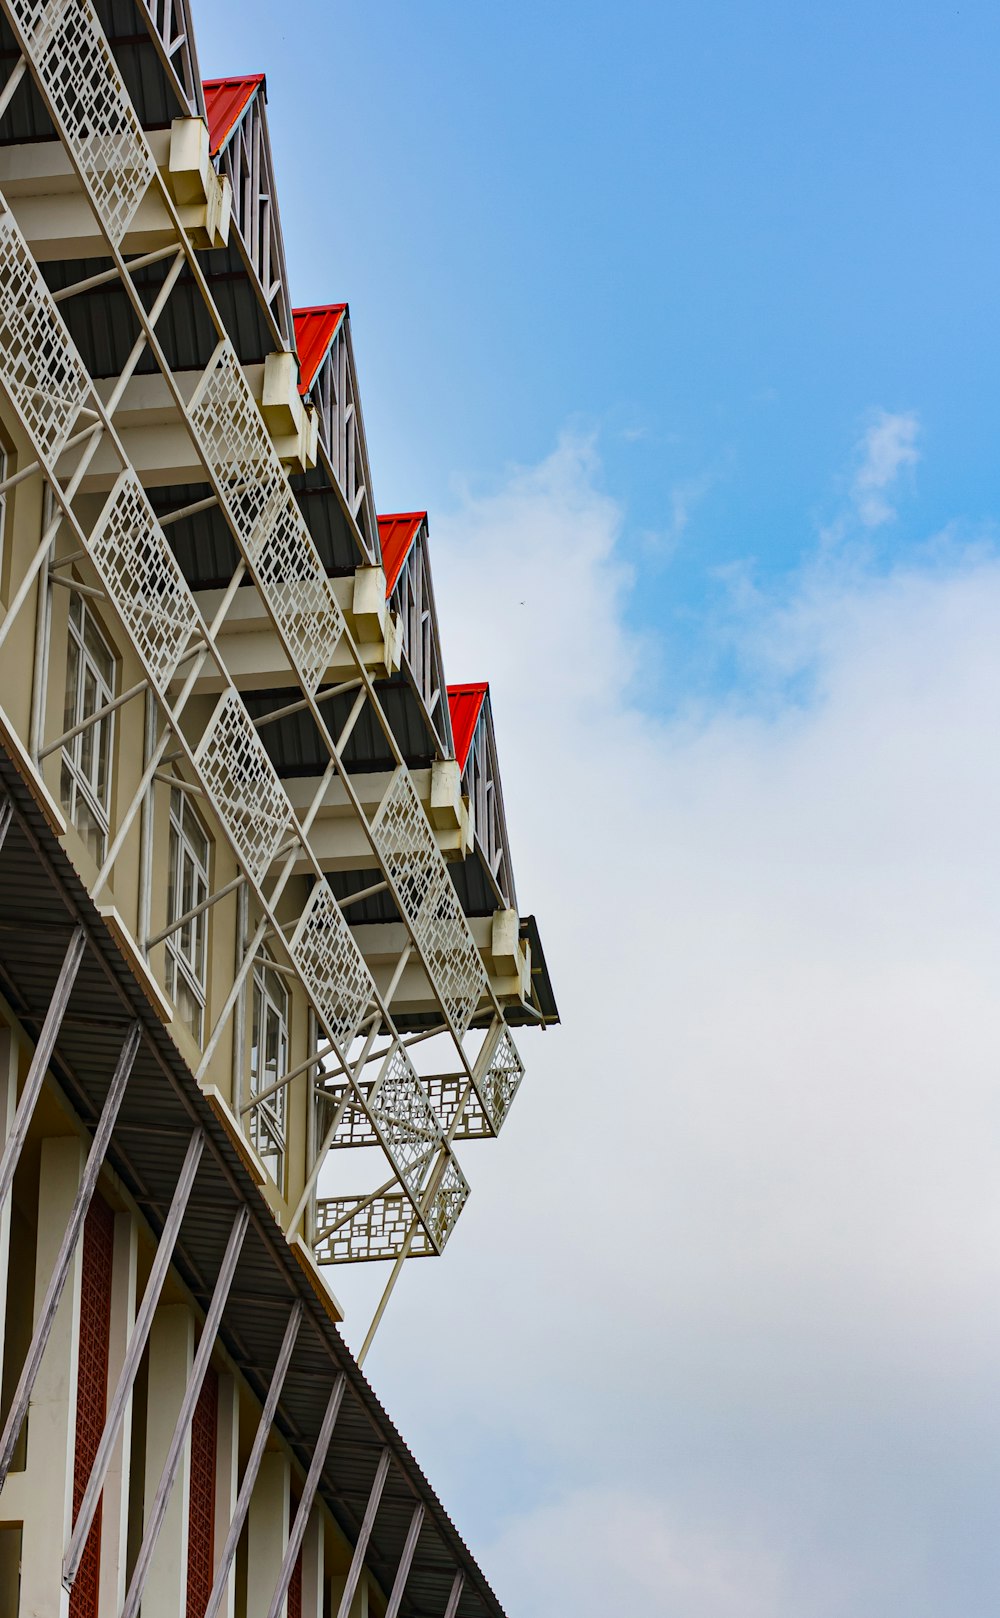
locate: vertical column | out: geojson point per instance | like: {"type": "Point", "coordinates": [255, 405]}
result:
{"type": "Point", "coordinates": [268, 1535]}
{"type": "Point", "coordinates": [114, 1508]}
{"type": "Point", "coordinates": [171, 1352]}
{"type": "Point", "coordinates": [359, 1601]}
{"type": "Point", "coordinates": [227, 1481]}
{"type": "Point", "coordinates": [312, 1565]}
{"type": "Point", "coordinates": [8, 1103]}
{"type": "Point", "coordinates": [48, 1480]}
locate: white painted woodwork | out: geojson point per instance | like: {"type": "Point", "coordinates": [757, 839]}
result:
{"type": "Point", "coordinates": [46, 1486]}
{"type": "Point", "coordinates": [267, 1532]}
{"type": "Point", "coordinates": [171, 1352]}
{"type": "Point", "coordinates": [114, 1509]}
{"type": "Point", "coordinates": [226, 1479]}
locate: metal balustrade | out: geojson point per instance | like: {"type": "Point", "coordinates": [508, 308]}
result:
{"type": "Point", "coordinates": [154, 602]}
{"type": "Point", "coordinates": [52, 394]}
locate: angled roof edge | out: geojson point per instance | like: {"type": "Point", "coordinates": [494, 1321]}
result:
{"type": "Point", "coordinates": [397, 532]}
{"type": "Point", "coordinates": [315, 329]}
{"type": "Point", "coordinates": [466, 705]}
{"type": "Point", "coordinates": [226, 100]}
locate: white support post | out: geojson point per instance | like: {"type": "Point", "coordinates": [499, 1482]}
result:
{"type": "Point", "coordinates": [67, 1249]}
{"type": "Point", "coordinates": [405, 1562]}
{"type": "Point", "coordinates": [267, 1538]}
{"type": "Point", "coordinates": [456, 1595]}
{"type": "Point", "coordinates": [358, 1559]}
{"type": "Point", "coordinates": [316, 1465]}
{"type": "Point", "coordinates": [40, 1060]}
{"type": "Point", "coordinates": [180, 1441]}
{"type": "Point", "coordinates": [313, 1566]}
{"type": "Point", "coordinates": [8, 1106]}
{"type": "Point", "coordinates": [114, 1515]}
{"type": "Point", "coordinates": [227, 1558]}
{"type": "Point", "coordinates": [171, 1352]}
{"type": "Point", "coordinates": [46, 1485]}
{"type": "Point", "coordinates": [120, 1402]}
{"type": "Point", "coordinates": [226, 1480]}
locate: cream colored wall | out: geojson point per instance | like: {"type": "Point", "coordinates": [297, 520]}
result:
{"type": "Point", "coordinates": [17, 675]}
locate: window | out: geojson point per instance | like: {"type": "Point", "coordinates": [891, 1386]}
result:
{"type": "Point", "coordinates": [268, 1064]}
{"type": "Point", "coordinates": [85, 778]}
{"type": "Point", "coordinates": [187, 887]}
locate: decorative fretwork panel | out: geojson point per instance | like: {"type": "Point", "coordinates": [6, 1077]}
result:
{"type": "Point", "coordinates": [405, 1121]}
{"type": "Point", "coordinates": [265, 516]}
{"type": "Point", "coordinates": [377, 1230]}
{"type": "Point", "coordinates": [498, 1073]}
{"type": "Point", "coordinates": [333, 968]}
{"type": "Point", "coordinates": [90, 105]}
{"type": "Point", "coordinates": [355, 1127]}
{"type": "Point", "coordinates": [446, 1091]}
{"type": "Point", "coordinates": [143, 579]}
{"type": "Point", "coordinates": [449, 1199]}
{"type": "Point", "coordinates": [40, 367]}
{"type": "Point", "coordinates": [411, 857]}
{"type": "Point", "coordinates": [243, 786]}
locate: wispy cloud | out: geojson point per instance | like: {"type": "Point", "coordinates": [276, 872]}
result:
{"type": "Point", "coordinates": [888, 447]}
{"type": "Point", "coordinates": [725, 1303]}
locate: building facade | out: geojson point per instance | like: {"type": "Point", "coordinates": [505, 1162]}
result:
{"type": "Point", "coordinates": [261, 957]}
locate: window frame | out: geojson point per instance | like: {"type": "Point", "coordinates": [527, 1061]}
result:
{"type": "Point", "coordinates": [99, 734]}
{"type": "Point", "coordinates": [269, 993]}
{"type": "Point", "coordinates": [188, 966]}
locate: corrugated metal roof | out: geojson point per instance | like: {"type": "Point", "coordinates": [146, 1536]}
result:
{"type": "Point", "coordinates": [225, 100]}
{"type": "Point", "coordinates": [396, 535]}
{"type": "Point", "coordinates": [315, 330]}
{"type": "Point", "coordinates": [41, 898]}
{"type": "Point", "coordinates": [466, 704]}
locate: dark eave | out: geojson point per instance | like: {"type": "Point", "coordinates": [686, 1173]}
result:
{"type": "Point", "coordinates": [41, 900]}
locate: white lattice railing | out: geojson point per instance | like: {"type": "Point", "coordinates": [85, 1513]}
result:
{"type": "Point", "coordinates": [409, 854]}
{"type": "Point", "coordinates": [498, 1073]}
{"type": "Point", "coordinates": [90, 106]}
{"type": "Point", "coordinates": [350, 1230]}
{"type": "Point", "coordinates": [47, 384]}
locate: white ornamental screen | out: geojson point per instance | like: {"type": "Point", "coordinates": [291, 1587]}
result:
{"type": "Point", "coordinates": [412, 859]}
{"type": "Point", "coordinates": [143, 579]}
{"type": "Point", "coordinates": [41, 369]}
{"type": "Point", "coordinates": [504, 1070]}
{"type": "Point", "coordinates": [449, 1200]}
{"type": "Point", "coordinates": [332, 967]}
{"type": "Point", "coordinates": [90, 105]}
{"type": "Point", "coordinates": [405, 1121]}
{"type": "Point", "coordinates": [350, 1230]}
{"type": "Point", "coordinates": [265, 516]}
{"type": "Point", "coordinates": [243, 786]}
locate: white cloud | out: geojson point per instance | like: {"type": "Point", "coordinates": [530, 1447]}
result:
{"type": "Point", "coordinates": [736, 1257]}
{"type": "Point", "coordinates": [889, 445]}
{"type": "Point", "coordinates": [602, 1551]}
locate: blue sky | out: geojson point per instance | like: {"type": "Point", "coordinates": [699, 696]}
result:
{"type": "Point", "coordinates": [681, 321]}
{"type": "Point", "coordinates": [717, 235]}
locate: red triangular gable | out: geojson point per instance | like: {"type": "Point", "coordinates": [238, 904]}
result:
{"type": "Point", "coordinates": [465, 704]}
{"type": "Point", "coordinates": [225, 100]}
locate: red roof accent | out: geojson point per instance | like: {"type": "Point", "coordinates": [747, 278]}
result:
{"type": "Point", "coordinates": [315, 330]}
{"type": "Point", "coordinates": [225, 100]}
{"type": "Point", "coordinates": [396, 535]}
{"type": "Point", "coordinates": [465, 703]}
